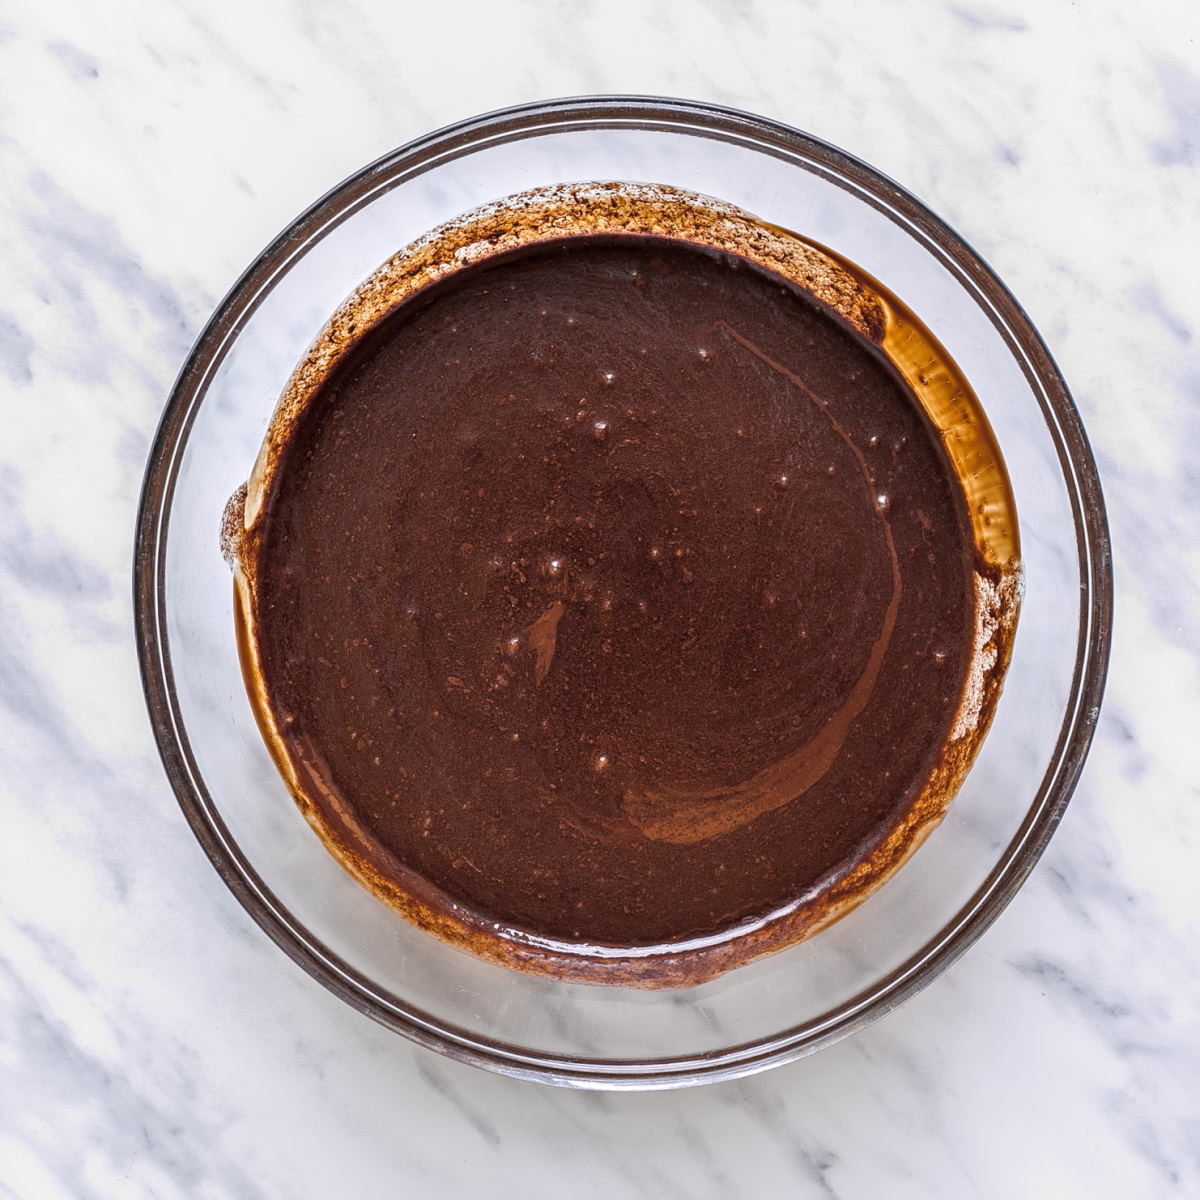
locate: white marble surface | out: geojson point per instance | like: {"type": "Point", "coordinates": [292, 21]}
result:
{"type": "Point", "coordinates": [153, 1042]}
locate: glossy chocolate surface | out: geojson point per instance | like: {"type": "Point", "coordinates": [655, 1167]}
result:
{"type": "Point", "coordinates": [615, 592]}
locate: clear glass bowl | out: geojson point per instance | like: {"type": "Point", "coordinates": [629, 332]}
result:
{"type": "Point", "coordinates": [771, 1011]}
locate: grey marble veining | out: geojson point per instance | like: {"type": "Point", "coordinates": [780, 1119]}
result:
{"type": "Point", "coordinates": [155, 1043]}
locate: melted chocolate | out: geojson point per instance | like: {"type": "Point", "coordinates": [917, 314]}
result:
{"type": "Point", "coordinates": [615, 591]}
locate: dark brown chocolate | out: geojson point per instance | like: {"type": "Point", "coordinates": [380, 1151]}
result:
{"type": "Point", "coordinates": [615, 591]}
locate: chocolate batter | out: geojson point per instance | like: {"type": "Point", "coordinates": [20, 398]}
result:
{"type": "Point", "coordinates": [616, 592]}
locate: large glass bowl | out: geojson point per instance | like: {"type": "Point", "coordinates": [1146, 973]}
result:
{"type": "Point", "coordinates": [781, 1007]}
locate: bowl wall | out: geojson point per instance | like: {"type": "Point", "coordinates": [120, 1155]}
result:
{"type": "Point", "coordinates": [770, 1011]}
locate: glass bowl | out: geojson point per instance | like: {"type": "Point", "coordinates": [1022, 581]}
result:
{"type": "Point", "coordinates": [773, 1010]}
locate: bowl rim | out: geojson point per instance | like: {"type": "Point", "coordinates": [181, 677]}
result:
{"type": "Point", "coordinates": [1075, 458]}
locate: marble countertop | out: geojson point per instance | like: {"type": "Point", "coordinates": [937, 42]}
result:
{"type": "Point", "coordinates": [155, 1043]}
